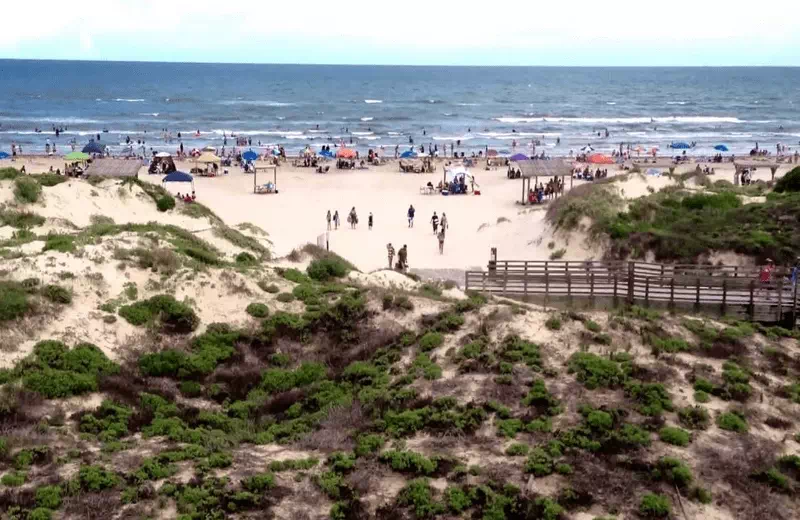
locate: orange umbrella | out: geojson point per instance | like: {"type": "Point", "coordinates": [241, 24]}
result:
{"type": "Point", "coordinates": [599, 158]}
{"type": "Point", "coordinates": [346, 153]}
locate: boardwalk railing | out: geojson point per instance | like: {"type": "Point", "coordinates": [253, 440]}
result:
{"type": "Point", "coordinates": [731, 290]}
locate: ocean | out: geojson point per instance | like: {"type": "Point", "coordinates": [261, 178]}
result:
{"type": "Point", "coordinates": [375, 106]}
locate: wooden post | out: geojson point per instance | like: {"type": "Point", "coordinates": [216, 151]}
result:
{"type": "Point", "coordinates": [794, 306]}
{"type": "Point", "coordinates": [524, 198]}
{"type": "Point", "coordinates": [546, 282]}
{"type": "Point", "coordinates": [672, 294]}
{"type": "Point", "coordinates": [526, 280]}
{"type": "Point", "coordinates": [616, 279]}
{"type": "Point", "coordinates": [505, 281]}
{"type": "Point", "coordinates": [752, 306]}
{"type": "Point", "coordinates": [569, 290]}
{"type": "Point", "coordinates": [661, 283]}
{"type": "Point", "coordinates": [780, 299]}
{"type": "Point", "coordinates": [591, 291]}
{"type": "Point", "coordinates": [647, 292]}
{"type": "Point", "coordinates": [697, 296]}
{"type": "Point", "coordinates": [631, 267]}
{"type": "Point", "coordinates": [724, 295]}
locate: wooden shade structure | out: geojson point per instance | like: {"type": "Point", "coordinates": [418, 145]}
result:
{"type": "Point", "coordinates": [541, 168]}
{"type": "Point", "coordinates": [274, 178]}
{"type": "Point", "coordinates": [114, 168]}
{"type": "Point", "coordinates": [749, 165]}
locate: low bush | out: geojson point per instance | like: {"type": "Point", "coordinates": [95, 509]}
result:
{"type": "Point", "coordinates": [49, 497]}
{"type": "Point", "coordinates": [408, 462]}
{"type": "Point", "coordinates": [674, 436]}
{"type": "Point", "coordinates": [20, 219]}
{"type": "Point", "coordinates": [165, 203]}
{"type": "Point", "coordinates": [55, 371]}
{"type": "Point", "coordinates": [673, 471]}
{"type": "Point", "coordinates": [553, 323]}
{"type": "Point", "coordinates": [27, 190]}
{"type": "Point", "coordinates": [257, 310]}
{"type": "Point", "coordinates": [14, 301]}
{"type": "Point", "coordinates": [268, 287]}
{"type": "Point", "coordinates": [694, 417]}
{"type": "Point", "coordinates": [654, 506]}
{"type": "Point", "coordinates": [171, 315]}
{"type": "Point", "coordinates": [732, 421]}
{"type": "Point", "coordinates": [790, 182]}
{"type": "Point", "coordinates": [57, 294]}
{"type": "Point", "coordinates": [285, 297]}
{"type": "Point", "coordinates": [419, 496]}
{"type": "Point", "coordinates": [595, 371]}
{"type": "Point", "coordinates": [324, 269]}
{"type": "Point", "coordinates": [60, 243]}
{"type": "Point", "coordinates": [517, 450]}
{"type": "Point", "coordinates": [245, 258]}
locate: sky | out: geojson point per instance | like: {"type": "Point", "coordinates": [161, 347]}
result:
{"type": "Point", "coordinates": [408, 32]}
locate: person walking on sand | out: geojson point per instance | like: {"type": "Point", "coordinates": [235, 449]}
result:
{"type": "Point", "coordinates": [440, 236]}
{"type": "Point", "coordinates": [435, 222]}
{"type": "Point", "coordinates": [328, 218]}
{"type": "Point", "coordinates": [336, 219]}
{"type": "Point", "coordinates": [390, 253]}
{"type": "Point", "coordinates": [443, 222]}
{"type": "Point", "coordinates": [352, 218]}
{"type": "Point", "coordinates": [402, 258]}
{"type": "Point", "coordinates": [411, 212]}
{"type": "Point", "coordinates": [765, 277]}
{"type": "Point", "coordinates": [369, 221]}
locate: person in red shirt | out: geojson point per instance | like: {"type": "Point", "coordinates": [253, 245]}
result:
{"type": "Point", "coordinates": [765, 276]}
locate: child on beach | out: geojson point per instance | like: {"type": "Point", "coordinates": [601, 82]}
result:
{"type": "Point", "coordinates": [328, 218]}
{"type": "Point", "coordinates": [336, 219]}
{"type": "Point", "coordinates": [411, 212]}
{"type": "Point", "coordinates": [369, 222]}
{"type": "Point", "coordinates": [440, 236]}
{"type": "Point", "coordinates": [390, 253]}
{"type": "Point", "coordinates": [443, 223]}
{"type": "Point", "coordinates": [435, 222]}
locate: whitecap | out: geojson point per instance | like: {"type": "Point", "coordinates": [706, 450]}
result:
{"type": "Point", "coordinates": [363, 133]}
{"type": "Point", "coordinates": [373, 101]}
{"type": "Point", "coordinates": [124, 100]}
{"type": "Point", "coordinates": [367, 118]}
{"type": "Point", "coordinates": [395, 133]}
{"type": "Point", "coordinates": [611, 102]}
{"type": "Point", "coordinates": [626, 120]}
{"type": "Point", "coordinates": [450, 138]}
{"type": "Point", "coordinates": [677, 102]}
{"type": "Point", "coordinates": [468, 104]}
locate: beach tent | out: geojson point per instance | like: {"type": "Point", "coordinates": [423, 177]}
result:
{"type": "Point", "coordinates": [178, 177]}
{"type": "Point", "coordinates": [599, 158]}
{"type": "Point", "coordinates": [208, 157]}
{"type": "Point", "coordinates": [4, 155]}
{"type": "Point", "coordinates": [249, 155]}
{"type": "Point", "coordinates": [456, 173]}
{"type": "Point", "coordinates": [346, 153]}
{"type": "Point", "coordinates": [680, 146]}
{"type": "Point", "coordinates": [210, 149]}
{"type": "Point", "coordinates": [721, 148]}
{"type": "Point", "coordinates": [518, 157]}
{"type": "Point", "coordinates": [326, 153]}
{"type": "Point", "coordinates": [409, 154]}
{"type": "Point", "coordinates": [94, 148]}
{"type": "Point", "coordinates": [163, 155]}
{"type": "Point", "coordinates": [76, 156]}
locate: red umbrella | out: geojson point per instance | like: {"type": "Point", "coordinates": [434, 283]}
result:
{"type": "Point", "coordinates": [346, 153]}
{"type": "Point", "coordinates": [491, 153]}
{"type": "Point", "coordinates": [599, 158]}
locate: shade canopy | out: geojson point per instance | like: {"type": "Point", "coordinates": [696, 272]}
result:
{"type": "Point", "coordinates": [76, 156]}
{"type": "Point", "coordinates": [455, 173]}
{"type": "Point", "coordinates": [409, 154]}
{"type": "Point", "coordinates": [114, 168]}
{"type": "Point", "coordinates": [208, 157]}
{"type": "Point", "coordinates": [491, 153]}
{"type": "Point", "coordinates": [346, 153]}
{"type": "Point", "coordinates": [519, 157]}
{"type": "Point", "coordinates": [93, 147]}
{"type": "Point", "coordinates": [326, 153]}
{"type": "Point", "coordinates": [4, 155]}
{"type": "Point", "coordinates": [209, 149]}
{"type": "Point", "coordinates": [163, 155]}
{"type": "Point", "coordinates": [249, 155]}
{"type": "Point", "coordinates": [599, 158]}
{"type": "Point", "coordinates": [721, 148]}
{"type": "Point", "coordinates": [588, 148]}
{"type": "Point", "coordinates": [178, 177]}
{"type": "Point", "coordinates": [680, 146]}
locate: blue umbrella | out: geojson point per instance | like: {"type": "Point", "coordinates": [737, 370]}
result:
{"type": "Point", "coordinates": [177, 176]}
{"type": "Point", "coordinates": [721, 148]}
{"type": "Point", "coordinates": [249, 155]}
{"type": "Point", "coordinates": [408, 154]}
{"type": "Point", "coordinates": [680, 146]}
{"type": "Point", "coordinates": [4, 155]}
{"type": "Point", "coordinates": [326, 153]}
{"type": "Point", "coordinates": [93, 147]}
{"type": "Point", "coordinates": [518, 157]}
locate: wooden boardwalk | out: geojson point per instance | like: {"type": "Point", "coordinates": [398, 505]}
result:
{"type": "Point", "coordinates": [727, 290]}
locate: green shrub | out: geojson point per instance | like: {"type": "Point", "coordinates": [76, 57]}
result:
{"type": "Point", "coordinates": [49, 497]}
{"type": "Point", "coordinates": [285, 297]}
{"type": "Point", "coordinates": [653, 398]}
{"type": "Point", "coordinates": [259, 483]}
{"type": "Point", "coordinates": [51, 179]}
{"type": "Point", "coordinates": [457, 500]}
{"type": "Point", "coordinates": [57, 294]}
{"type": "Point", "coordinates": [701, 495]}
{"type": "Point", "coordinates": [592, 326]}
{"type": "Point", "coordinates": [96, 478]}
{"type": "Point", "coordinates": [449, 322]}
{"type": "Point", "coordinates": [109, 422]}
{"type": "Point", "coordinates": [172, 316]}
{"type": "Point", "coordinates": [56, 372]}
{"type": "Point", "coordinates": [431, 340]}
{"type": "Point", "coordinates": [323, 269]}
{"type": "Point", "coordinates": [674, 436]}
{"type": "Point", "coordinates": [701, 397]}
{"type": "Point", "coordinates": [790, 182]}
{"type": "Point", "coordinates": [27, 190]}
{"type": "Point", "coordinates": [60, 243]}
{"type": "Point", "coordinates": [654, 506]}
{"type": "Point", "coordinates": [732, 422]}
{"type": "Point", "coordinates": [423, 366]}
{"type": "Point", "coordinates": [14, 301]}
{"type": "Point", "coordinates": [594, 371]}
{"type": "Point", "coordinates": [419, 496]}
{"type": "Point", "coordinates": [408, 462]}
{"type": "Point", "coordinates": [293, 275]}
{"type": "Point", "coordinates": [553, 323]}
{"type": "Point", "coordinates": [306, 293]}
{"type": "Point", "coordinates": [165, 203]}
{"type": "Point", "coordinates": [20, 219]}
{"type": "Point", "coordinates": [13, 479]}
{"type": "Point", "coordinates": [191, 388]}
{"type": "Point", "coordinates": [673, 471]}
{"type": "Point", "coordinates": [269, 288]}
{"type": "Point", "coordinates": [517, 450]}
{"type": "Point", "coordinates": [539, 462]}
{"type": "Point", "coordinates": [245, 258]}
{"type": "Point", "coordinates": [694, 417]}
{"type": "Point", "coordinates": [509, 427]}
{"type": "Point", "coordinates": [257, 310]}
{"type": "Point", "coordinates": [368, 443]}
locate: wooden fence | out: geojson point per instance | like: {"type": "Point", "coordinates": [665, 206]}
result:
{"type": "Point", "coordinates": [729, 290]}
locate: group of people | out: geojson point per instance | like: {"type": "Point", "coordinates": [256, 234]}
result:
{"type": "Point", "coordinates": [542, 192]}
{"type": "Point", "coordinates": [587, 174]}
{"type": "Point", "coordinates": [402, 257]}
{"type": "Point", "coordinates": [333, 220]}
{"type": "Point", "coordinates": [186, 197]}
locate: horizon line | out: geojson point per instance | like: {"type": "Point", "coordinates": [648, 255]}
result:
{"type": "Point", "coordinates": [168, 62]}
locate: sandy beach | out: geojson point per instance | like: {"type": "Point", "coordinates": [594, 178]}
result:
{"type": "Point", "coordinates": [296, 215]}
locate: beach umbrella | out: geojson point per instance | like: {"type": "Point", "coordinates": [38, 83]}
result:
{"type": "Point", "coordinates": [491, 153]}
{"type": "Point", "coordinates": [408, 154]}
{"type": "Point", "coordinates": [519, 157]}
{"type": "Point", "coordinates": [195, 152]}
{"type": "Point", "coordinates": [599, 158]}
{"type": "Point", "coordinates": [249, 155]}
{"type": "Point", "coordinates": [326, 153]}
{"type": "Point", "coordinates": [177, 176]}
{"type": "Point", "coordinates": [76, 156]}
{"type": "Point", "coordinates": [4, 155]}
{"type": "Point", "coordinates": [208, 157]}
{"type": "Point", "coordinates": [346, 153]}
{"type": "Point", "coordinates": [721, 148]}
{"type": "Point", "coordinates": [588, 148]}
{"type": "Point", "coordinates": [209, 149]}
{"type": "Point", "coordinates": [163, 155]}
{"type": "Point", "coordinates": [680, 146]}
{"type": "Point", "coordinates": [93, 147]}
